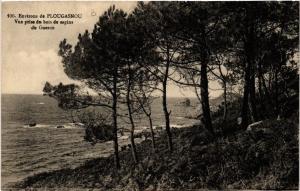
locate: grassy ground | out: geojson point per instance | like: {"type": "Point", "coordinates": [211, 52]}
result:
{"type": "Point", "coordinates": [260, 159]}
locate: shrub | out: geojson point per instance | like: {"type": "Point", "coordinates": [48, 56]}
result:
{"type": "Point", "coordinates": [96, 133]}
{"type": "Point", "coordinates": [97, 127]}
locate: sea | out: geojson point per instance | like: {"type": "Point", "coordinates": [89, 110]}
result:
{"type": "Point", "coordinates": [26, 150]}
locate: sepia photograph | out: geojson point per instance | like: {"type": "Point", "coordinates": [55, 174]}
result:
{"type": "Point", "coordinates": [149, 95]}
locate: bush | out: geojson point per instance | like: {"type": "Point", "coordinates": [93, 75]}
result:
{"type": "Point", "coordinates": [97, 127]}
{"type": "Point", "coordinates": [96, 133]}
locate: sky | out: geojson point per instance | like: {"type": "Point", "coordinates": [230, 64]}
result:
{"type": "Point", "coordinates": [29, 57]}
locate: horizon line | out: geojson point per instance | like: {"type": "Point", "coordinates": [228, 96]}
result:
{"type": "Point", "coordinates": [42, 94]}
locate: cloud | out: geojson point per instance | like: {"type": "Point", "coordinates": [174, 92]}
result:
{"type": "Point", "coordinates": [26, 72]}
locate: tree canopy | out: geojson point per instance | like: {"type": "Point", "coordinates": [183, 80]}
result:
{"type": "Point", "coordinates": [128, 56]}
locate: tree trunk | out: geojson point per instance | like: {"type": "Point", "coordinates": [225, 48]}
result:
{"type": "Point", "coordinates": [261, 93]}
{"type": "Point", "coordinates": [204, 97]}
{"type": "Point", "coordinates": [72, 116]}
{"type": "Point", "coordinates": [249, 86]}
{"type": "Point", "coordinates": [266, 90]}
{"type": "Point", "coordinates": [152, 133]}
{"type": "Point", "coordinates": [270, 81]}
{"type": "Point", "coordinates": [276, 92]}
{"type": "Point", "coordinates": [165, 107]}
{"type": "Point", "coordinates": [225, 102]}
{"type": "Point", "coordinates": [128, 101]}
{"type": "Point", "coordinates": [267, 95]}
{"type": "Point", "coordinates": [253, 96]}
{"type": "Point", "coordinates": [260, 90]}
{"type": "Point", "coordinates": [244, 113]}
{"type": "Point", "coordinates": [250, 57]}
{"type": "Point", "coordinates": [115, 127]}
{"type": "Point", "coordinates": [250, 109]}
{"type": "Point", "coordinates": [204, 53]}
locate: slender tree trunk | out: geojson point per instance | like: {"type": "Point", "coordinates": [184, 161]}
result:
{"type": "Point", "coordinates": [204, 97]}
{"type": "Point", "coordinates": [225, 102]}
{"type": "Point", "coordinates": [260, 81]}
{"type": "Point", "coordinates": [148, 114]}
{"type": "Point", "coordinates": [204, 53]}
{"type": "Point", "coordinates": [133, 147]}
{"type": "Point", "coordinates": [261, 93]}
{"type": "Point", "coordinates": [260, 90]}
{"type": "Point", "coordinates": [261, 100]}
{"type": "Point", "coordinates": [249, 86]}
{"type": "Point", "coordinates": [276, 93]}
{"type": "Point", "coordinates": [250, 56]}
{"type": "Point", "coordinates": [72, 116]}
{"type": "Point", "coordinates": [165, 107]}
{"type": "Point", "coordinates": [128, 101]}
{"type": "Point", "coordinates": [270, 81]}
{"type": "Point", "coordinates": [253, 96]}
{"type": "Point", "coordinates": [244, 113]}
{"type": "Point", "coordinates": [250, 109]}
{"type": "Point", "coordinates": [267, 93]}
{"type": "Point", "coordinates": [152, 133]}
{"type": "Point", "coordinates": [266, 90]}
{"type": "Point", "coordinates": [115, 126]}
{"type": "Point", "coordinates": [249, 96]}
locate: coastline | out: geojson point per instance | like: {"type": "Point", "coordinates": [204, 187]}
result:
{"type": "Point", "coordinates": [196, 163]}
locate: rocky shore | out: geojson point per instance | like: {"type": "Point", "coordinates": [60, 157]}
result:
{"type": "Point", "coordinates": [242, 160]}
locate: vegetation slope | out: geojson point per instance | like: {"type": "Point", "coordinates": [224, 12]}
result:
{"type": "Point", "coordinates": [263, 158]}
